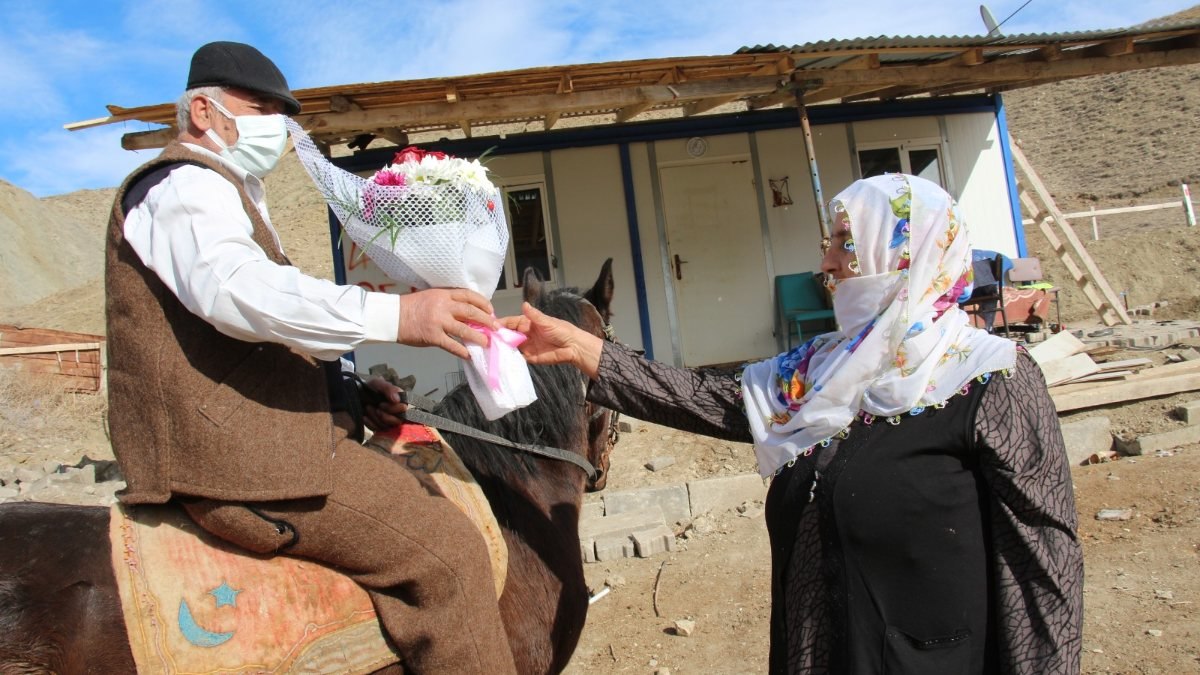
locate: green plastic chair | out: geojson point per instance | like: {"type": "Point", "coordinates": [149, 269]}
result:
{"type": "Point", "coordinates": [799, 300]}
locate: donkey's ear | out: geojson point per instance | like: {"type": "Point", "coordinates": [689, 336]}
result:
{"type": "Point", "coordinates": [601, 293]}
{"type": "Point", "coordinates": [532, 283]}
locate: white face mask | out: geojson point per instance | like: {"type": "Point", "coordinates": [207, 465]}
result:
{"type": "Point", "coordinates": [260, 144]}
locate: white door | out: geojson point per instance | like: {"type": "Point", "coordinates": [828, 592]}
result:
{"type": "Point", "coordinates": [723, 299]}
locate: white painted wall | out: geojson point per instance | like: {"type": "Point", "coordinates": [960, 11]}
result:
{"type": "Point", "coordinates": [979, 172]}
{"type": "Point", "coordinates": [591, 222]}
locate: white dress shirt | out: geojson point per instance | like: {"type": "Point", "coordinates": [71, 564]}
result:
{"type": "Point", "coordinates": [192, 232]}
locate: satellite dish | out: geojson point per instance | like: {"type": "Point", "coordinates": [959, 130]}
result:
{"type": "Point", "coordinates": [989, 22]}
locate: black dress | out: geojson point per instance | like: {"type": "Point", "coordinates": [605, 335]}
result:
{"type": "Point", "coordinates": [942, 542]}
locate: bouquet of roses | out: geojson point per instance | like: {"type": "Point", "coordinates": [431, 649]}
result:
{"type": "Point", "coordinates": [431, 220]}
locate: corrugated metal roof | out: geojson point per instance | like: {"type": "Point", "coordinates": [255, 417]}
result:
{"type": "Point", "coordinates": [753, 78]}
{"type": "Point", "coordinates": [958, 42]}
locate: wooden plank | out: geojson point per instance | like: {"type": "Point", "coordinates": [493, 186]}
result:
{"type": "Point", "coordinates": [1113, 211]}
{"type": "Point", "coordinates": [1129, 390]}
{"type": "Point", "coordinates": [1110, 309]}
{"type": "Point", "coordinates": [1070, 368]}
{"type": "Point", "coordinates": [1095, 377]}
{"type": "Point", "coordinates": [1057, 346]}
{"type": "Point", "coordinates": [1127, 364]}
{"type": "Point", "coordinates": [44, 349]}
{"type": "Point", "coordinates": [535, 105]}
{"type": "Point", "coordinates": [1070, 65]}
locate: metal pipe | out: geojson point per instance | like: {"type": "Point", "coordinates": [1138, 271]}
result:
{"type": "Point", "coordinates": [814, 175]}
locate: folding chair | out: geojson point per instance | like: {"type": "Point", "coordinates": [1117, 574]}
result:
{"type": "Point", "coordinates": [798, 300]}
{"type": "Point", "coordinates": [988, 298]}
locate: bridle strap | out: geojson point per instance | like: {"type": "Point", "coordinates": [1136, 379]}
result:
{"type": "Point", "coordinates": [418, 411]}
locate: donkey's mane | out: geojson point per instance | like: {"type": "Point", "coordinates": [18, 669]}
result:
{"type": "Point", "coordinates": [555, 419]}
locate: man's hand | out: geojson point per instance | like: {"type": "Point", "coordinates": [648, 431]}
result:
{"type": "Point", "coordinates": [551, 340]}
{"type": "Point", "coordinates": [382, 411]}
{"type": "Point", "coordinates": [436, 317]}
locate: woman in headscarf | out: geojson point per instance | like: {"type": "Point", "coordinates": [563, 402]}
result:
{"type": "Point", "coordinates": [920, 511]}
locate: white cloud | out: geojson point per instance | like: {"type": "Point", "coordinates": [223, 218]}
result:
{"type": "Point", "coordinates": [52, 161]}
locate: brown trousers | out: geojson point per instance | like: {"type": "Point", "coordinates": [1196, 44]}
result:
{"type": "Point", "coordinates": [423, 563]}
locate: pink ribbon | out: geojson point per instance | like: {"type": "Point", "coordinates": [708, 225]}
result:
{"type": "Point", "coordinates": [495, 337]}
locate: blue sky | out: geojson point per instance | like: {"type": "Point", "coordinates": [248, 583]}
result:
{"type": "Point", "coordinates": [63, 60]}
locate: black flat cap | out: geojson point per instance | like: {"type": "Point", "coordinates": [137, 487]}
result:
{"type": "Point", "coordinates": [233, 64]}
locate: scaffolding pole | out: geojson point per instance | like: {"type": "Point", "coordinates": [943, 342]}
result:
{"type": "Point", "coordinates": [814, 175]}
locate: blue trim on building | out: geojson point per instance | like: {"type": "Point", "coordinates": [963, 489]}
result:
{"type": "Point", "coordinates": [635, 246]}
{"type": "Point", "coordinates": [1010, 172]}
{"type": "Point", "coordinates": [703, 125]}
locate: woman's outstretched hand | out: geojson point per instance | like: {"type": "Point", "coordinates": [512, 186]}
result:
{"type": "Point", "coordinates": [551, 341]}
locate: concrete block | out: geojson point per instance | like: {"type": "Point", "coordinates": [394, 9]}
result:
{"type": "Point", "coordinates": [587, 550]}
{"type": "Point", "coordinates": [592, 509]}
{"type": "Point", "coordinates": [614, 547]}
{"type": "Point", "coordinates": [660, 463]}
{"type": "Point", "coordinates": [1151, 443]}
{"type": "Point", "coordinates": [24, 475]}
{"type": "Point", "coordinates": [725, 492]}
{"type": "Point", "coordinates": [657, 540]}
{"type": "Point", "coordinates": [85, 475]}
{"type": "Point", "coordinates": [1189, 412]}
{"type": "Point", "coordinates": [620, 523]}
{"type": "Point", "coordinates": [671, 500]}
{"type": "Point", "coordinates": [1087, 437]}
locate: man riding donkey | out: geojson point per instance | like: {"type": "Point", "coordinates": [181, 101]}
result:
{"type": "Point", "coordinates": [226, 391]}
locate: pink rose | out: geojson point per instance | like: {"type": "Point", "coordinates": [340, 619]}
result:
{"type": "Point", "coordinates": [410, 154]}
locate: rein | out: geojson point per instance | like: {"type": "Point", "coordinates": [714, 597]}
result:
{"type": "Point", "coordinates": [418, 411]}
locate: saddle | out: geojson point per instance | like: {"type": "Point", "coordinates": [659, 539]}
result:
{"type": "Point", "coordinates": [196, 604]}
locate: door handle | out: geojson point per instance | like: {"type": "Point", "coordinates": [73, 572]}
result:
{"type": "Point", "coordinates": [679, 262]}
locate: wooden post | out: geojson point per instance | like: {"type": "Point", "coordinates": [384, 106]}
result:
{"type": "Point", "coordinates": [814, 175]}
{"type": "Point", "coordinates": [1095, 227]}
{"type": "Point", "coordinates": [1187, 206]}
{"type": "Point", "coordinates": [1087, 275]}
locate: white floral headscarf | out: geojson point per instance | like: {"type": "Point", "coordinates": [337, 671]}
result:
{"type": "Point", "coordinates": [903, 343]}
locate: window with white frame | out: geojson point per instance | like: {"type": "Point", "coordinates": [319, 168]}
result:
{"type": "Point", "coordinates": [530, 245]}
{"type": "Point", "coordinates": [922, 159]}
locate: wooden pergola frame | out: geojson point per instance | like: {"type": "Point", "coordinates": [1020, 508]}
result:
{"type": "Point", "coordinates": [538, 99]}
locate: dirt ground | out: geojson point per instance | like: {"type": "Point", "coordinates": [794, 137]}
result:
{"type": "Point", "coordinates": [1142, 588]}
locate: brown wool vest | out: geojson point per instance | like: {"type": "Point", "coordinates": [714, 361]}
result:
{"type": "Point", "coordinates": [193, 411]}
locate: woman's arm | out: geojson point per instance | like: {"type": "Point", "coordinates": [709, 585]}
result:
{"type": "Point", "coordinates": [1037, 562]}
{"type": "Point", "coordinates": [699, 401]}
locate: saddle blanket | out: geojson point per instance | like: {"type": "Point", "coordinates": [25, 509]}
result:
{"type": "Point", "coordinates": [195, 604]}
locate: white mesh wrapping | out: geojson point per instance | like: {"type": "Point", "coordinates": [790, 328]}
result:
{"type": "Point", "coordinates": [448, 234]}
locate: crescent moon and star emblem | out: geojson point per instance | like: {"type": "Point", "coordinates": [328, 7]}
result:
{"type": "Point", "coordinates": [197, 635]}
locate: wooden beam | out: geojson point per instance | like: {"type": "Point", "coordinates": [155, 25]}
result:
{"type": "Point", "coordinates": [969, 57]}
{"type": "Point", "coordinates": [1130, 390]}
{"type": "Point", "coordinates": [550, 120]}
{"type": "Point", "coordinates": [565, 84]}
{"type": "Point", "coordinates": [783, 96]}
{"type": "Point", "coordinates": [340, 103]}
{"type": "Point", "coordinates": [394, 135]}
{"type": "Point", "coordinates": [50, 349]}
{"type": "Point", "coordinates": [147, 140]}
{"type": "Point", "coordinates": [466, 127]}
{"type": "Point", "coordinates": [629, 112]}
{"type": "Point", "coordinates": [451, 94]}
{"type": "Point", "coordinates": [534, 105]}
{"type": "Point", "coordinates": [704, 105]}
{"type": "Point", "coordinates": [1050, 53]}
{"type": "Point", "coordinates": [863, 62]}
{"type": "Point", "coordinates": [1117, 47]}
{"type": "Point", "coordinates": [1068, 66]}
